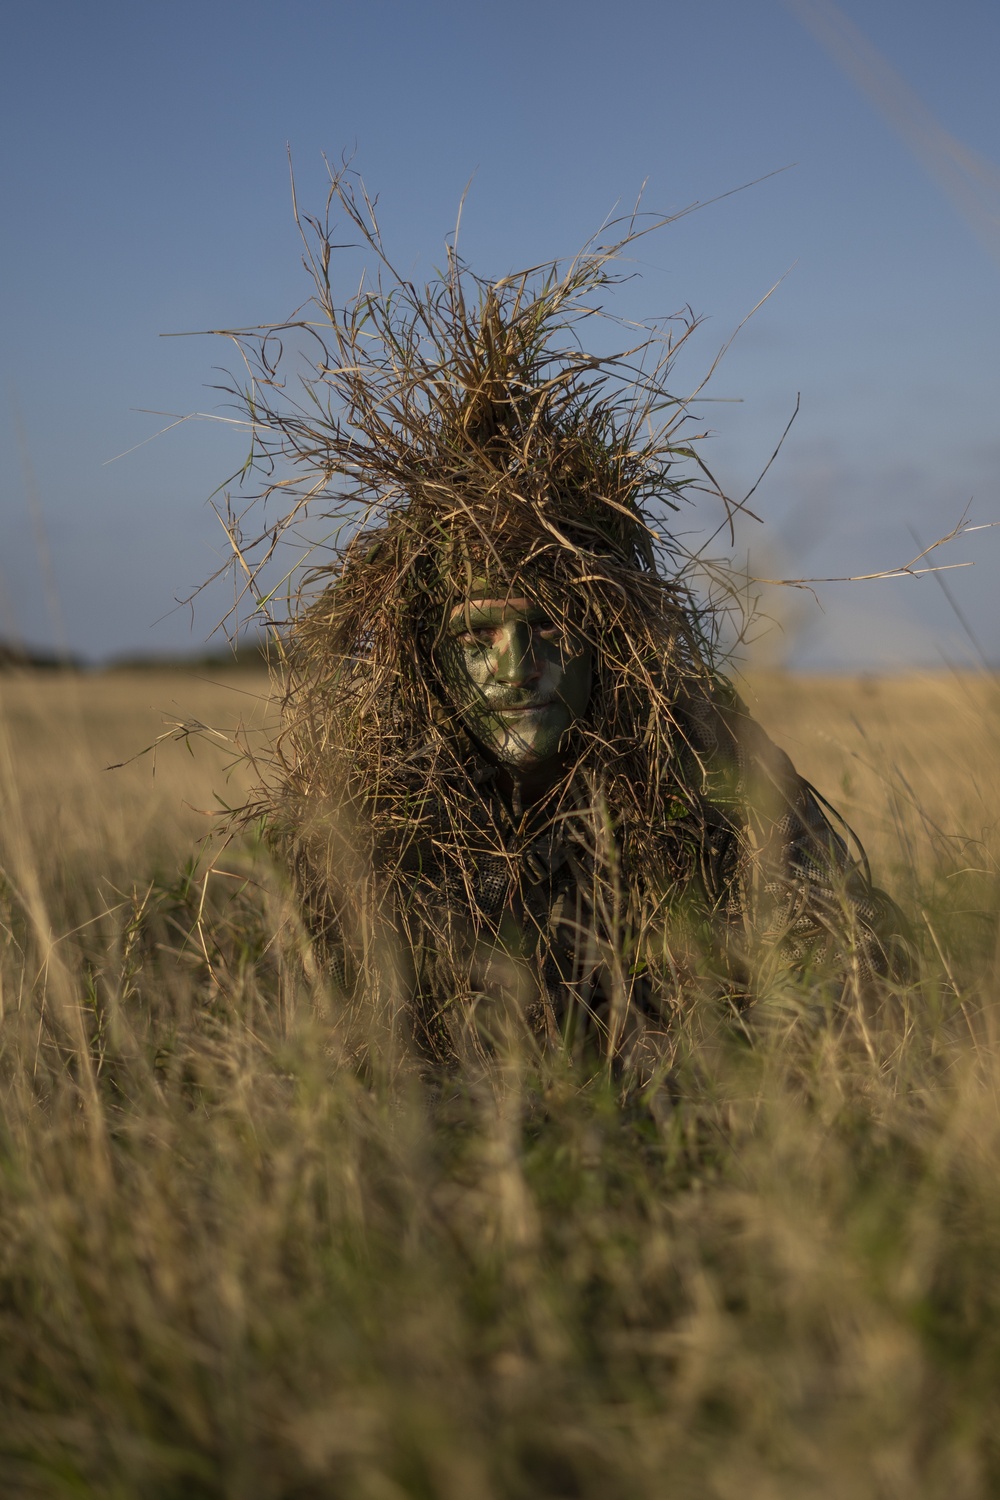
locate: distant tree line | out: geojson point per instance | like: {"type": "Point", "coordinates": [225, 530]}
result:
{"type": "Point", "coordinates": [255, 653]}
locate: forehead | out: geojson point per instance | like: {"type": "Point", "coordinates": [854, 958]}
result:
{"type": "Point", "coordinates": [488, 610]}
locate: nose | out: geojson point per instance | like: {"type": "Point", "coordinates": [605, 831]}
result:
{"type": "Point", "coordinates": [515, 656]}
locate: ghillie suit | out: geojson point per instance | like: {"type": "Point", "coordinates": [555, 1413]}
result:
{"type": "Point", "coordinates": [677, 853]}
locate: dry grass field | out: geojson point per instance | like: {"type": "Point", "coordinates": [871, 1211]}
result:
{"type": "Point", "coordinates": [229, 1269]}
{"type": "Point", "coordinates": [63, 731]}
{"type": "Point", "coordinates": [910, 759]}
{"type": "Point", "coordinates": [913, 762]}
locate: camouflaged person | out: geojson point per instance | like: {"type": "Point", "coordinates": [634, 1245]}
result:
{"type": "Point", "coordinates": [552, 845]}
{"type": "Point", "coordinates": [518, 798]}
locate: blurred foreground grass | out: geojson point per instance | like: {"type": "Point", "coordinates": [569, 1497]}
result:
{"type": "Point", "coordinates": [228, 1269]}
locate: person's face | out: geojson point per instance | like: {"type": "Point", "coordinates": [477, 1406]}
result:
{"type": "Point", "coordinates": [518, 678]}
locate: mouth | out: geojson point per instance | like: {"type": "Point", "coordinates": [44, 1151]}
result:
{"type": "Point", "coordinates": [523, 710]}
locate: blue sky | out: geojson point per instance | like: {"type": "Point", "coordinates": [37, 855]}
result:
{"type": "Point", "coordinates": [146, 192]}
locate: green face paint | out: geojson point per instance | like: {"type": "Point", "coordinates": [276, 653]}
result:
{"type": "Point", "coordinates": [518, 678]}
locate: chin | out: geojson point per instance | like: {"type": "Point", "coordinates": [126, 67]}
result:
{"type": "Point", "coordinates": [528, 760]}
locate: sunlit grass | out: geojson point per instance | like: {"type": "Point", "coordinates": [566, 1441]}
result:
{"type": "Point", "coordinates": [230, 1268]}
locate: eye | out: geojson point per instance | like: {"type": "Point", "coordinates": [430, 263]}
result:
{"type": "Point", "coordinates": [481, 638]}
{"type": "Point", "coordinates": [553, 632]}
